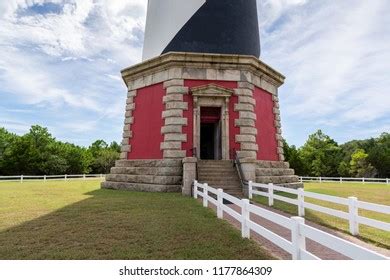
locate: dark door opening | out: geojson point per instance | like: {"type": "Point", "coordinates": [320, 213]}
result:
{"type": "Point", "coordinates": [210, 133]}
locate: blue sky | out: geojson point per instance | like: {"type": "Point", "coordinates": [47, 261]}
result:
{"type": "Point", "coordinates": [60, 63]}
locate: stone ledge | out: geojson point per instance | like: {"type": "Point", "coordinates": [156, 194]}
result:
{"type": "Point", "coordinates": [126, 148]}
{"type": "Point", "coordinates": [177, 90]}
{"type": "Point", "coordinates": [248, 130]}
{"type": "Point", "coordinates": [170, 146]}
{"type": "Point", "coordinates": [246, 85]}
{"type": "Point", "coordinates": [175, 137]}
{"type": "Point", "coordinates": [172, 129]}
{"type": "Point", "coordinates": [141, 187]}
{"type": "Point", "coordinates": [128, 114]}
{"type": "Point", "coordinates": [247, 154]}
{"type": "Point", "coordinates": [245, 138]}
{"type": "Point", "coordinates": [172, 113]}
{"type": "Point", "coordinates": [144, 179]}
{"type": "Point", "coordinates": [176, 105]}
{"type": "Point", "coordinates": [127, 134]}
{"type": "Point", "coordinates": [249, 147]}
{"type": "Point", "coordinates": [243, 92]}
{"type": "Point", "coordinates": [247, 115]}
{"type": "Point", "coordinates": [130, 107]}
{"type": "Point", "coordinates": [174, 154]}
{"type": "Point", "coordinates": [173, 98]}
{"type": "Point", "coordinates": [244, 107]}
{"type": "Point", "coordinates": [129, 120]}
{"type": "Point", "coordinates": [246, 99]}
{"type": "Point", "coordinates": [159, 171]}
{"type": "Point", "coordinates": [244, 64]}
{"type": "Point", "coordinates": [176, 121]}
{"type": "Point", "coordinates": [130, 100]}
{"type": "Point", "coordinates": [244, 122]}
{"type": "Point", "coordinates": [174, 82]}
{"type": "Point", "coordinates": [149, 163]}
{"type": "Point", "coordinates": [131, 93]}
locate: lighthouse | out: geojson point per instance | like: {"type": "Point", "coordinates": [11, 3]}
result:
{"type": "Point", "coordinates": [201, 105]}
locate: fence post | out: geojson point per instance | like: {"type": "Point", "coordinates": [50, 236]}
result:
{"type": "Point", "coordinates": [245, 231]}
{"type": "Point", "coordinates": [364, 180]}
{"type": "Point", "coordinates": [353, 215]}
{"type": "Point", "coordinates": [301, 202]}
{"type": "Point", "coordinates": [66, 177]}
{"type": "Point", "coordinates": [270, 194]}
{"type": "Point", "coordinates": [341, 179]}
{"type": "Point", "coordinates": [44, 178]}
{"type": "Point", "coordinates": [320, 179]}
{"type": "Point", "coordinates": [101, 176]}
{"type": "Point", "coordinates": [205, 195]}
{"type": "Point", "coordinates": [195, 189]}
{"type": "Point", "coordinates": [21, 178]}
{"type": "Point", "coordinates": [387, 181]}
{"type": "Point", "coordinates": [301, 179]}
{"type": "Point", "coordinates": [297, 239]}
{"type": "Point", "coordinates": [250, 190]}
{"type": "Point", "coordinates": [220, 203]}
{"type": "Point", "coordinates": [83, 176]}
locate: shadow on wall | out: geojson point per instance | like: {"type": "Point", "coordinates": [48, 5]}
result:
{"type": "Point", "coordinates": [124, 225]}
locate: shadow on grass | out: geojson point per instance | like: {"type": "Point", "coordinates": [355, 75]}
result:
{"type": "Point", "coordinates": [127, 225]}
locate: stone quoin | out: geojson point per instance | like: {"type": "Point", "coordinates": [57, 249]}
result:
{"type": "Point", "coordinates": [198, 104]}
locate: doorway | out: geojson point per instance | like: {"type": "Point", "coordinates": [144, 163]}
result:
{"type": "Point", "coordinates": [210, 133]}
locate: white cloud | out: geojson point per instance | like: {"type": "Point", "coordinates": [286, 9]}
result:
{"type": "Point", "coordinates": [336, 58]}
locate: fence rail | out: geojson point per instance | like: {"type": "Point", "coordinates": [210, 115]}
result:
{"type": "Point", "coordinates": [345, 180]}
{"type": "Point", "coordinates": [65, 177]}
{"type": "Point", "coordinates": [299, 230]}
{"type": "Point", "coordinates": [353, 204]}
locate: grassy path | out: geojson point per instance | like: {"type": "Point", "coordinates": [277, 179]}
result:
{"type": "Point", "coordinates": [78, 220]}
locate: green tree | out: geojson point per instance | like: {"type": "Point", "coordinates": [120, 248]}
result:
{"type": "Point", "coordinates": [360, 167]}
{"type": "Point", "coordinates": [379, 155]}
{"type": "Point", "coordinates": [292, 155]}
{"type": "Point", "coordinates": [321, 155]}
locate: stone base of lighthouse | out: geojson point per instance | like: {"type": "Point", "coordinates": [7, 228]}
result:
{"type": "Point", "coordinates": [184, 107]}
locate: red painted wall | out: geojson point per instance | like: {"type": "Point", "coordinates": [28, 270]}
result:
{"type": "Point", "coordinates": [189, 114]}
{"type": "Point", "coordinates": [148, 121]}
{"type": "Point", "coordinates": [265, 124]}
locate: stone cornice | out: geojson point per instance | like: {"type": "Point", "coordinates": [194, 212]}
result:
{"type": "Point", "coordinates": [202, 61]}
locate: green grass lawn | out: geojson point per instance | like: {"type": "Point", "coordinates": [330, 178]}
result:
{"type": "Point", "coordinates": [78, 220]}
{"type": "Point", "coordinates": [375, 193]}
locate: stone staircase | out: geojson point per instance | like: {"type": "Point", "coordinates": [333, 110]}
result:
{"type": "Point", "coordinates": [278, 173]}
{"type": "Point", "coordinates": [220, 174]}
{"type": "Point", "coordinates": [145, 176]}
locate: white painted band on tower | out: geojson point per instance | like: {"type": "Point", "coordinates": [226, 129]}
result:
{"type": "Point", "coordinates": [165, 18]}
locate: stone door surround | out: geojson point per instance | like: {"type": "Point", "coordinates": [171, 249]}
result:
{"type": "Point", "coordinates": [212, 95]}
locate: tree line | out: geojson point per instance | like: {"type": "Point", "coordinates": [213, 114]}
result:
{"type": "Point", "coordinates": [323, 156]}
{"type": "Point", "coordinates": [39, 153]}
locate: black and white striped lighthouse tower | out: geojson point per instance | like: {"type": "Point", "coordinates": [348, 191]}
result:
{"type": "Point", "coordinates": [200, 99]}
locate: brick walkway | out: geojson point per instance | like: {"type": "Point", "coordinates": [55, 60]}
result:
{"type": "Point", "coordinates": [313, 247]}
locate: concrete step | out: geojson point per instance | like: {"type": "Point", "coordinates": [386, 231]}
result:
{"type": "Point", "coordinates": [277, 180]}
{"type": "Point", "coordinates": [140, 187]}
{"type": "Point", "coordinates": [145, 179]}
{"type": "Point", "coordinates": [156, 171]}
{"type": "Point", "coordinates": [274, 172]}
{"type": "Point", "coordinates": [273, 164]}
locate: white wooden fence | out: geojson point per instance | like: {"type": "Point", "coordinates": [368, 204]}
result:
{"type": "Point", "coordinates": [345, 180]}
{"type": "Point", "coordinates": [66, 177]}
{"type": "Point", "coordinates": [299, 230]}
{"type": "Point", "coordinates": [353, 204]}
